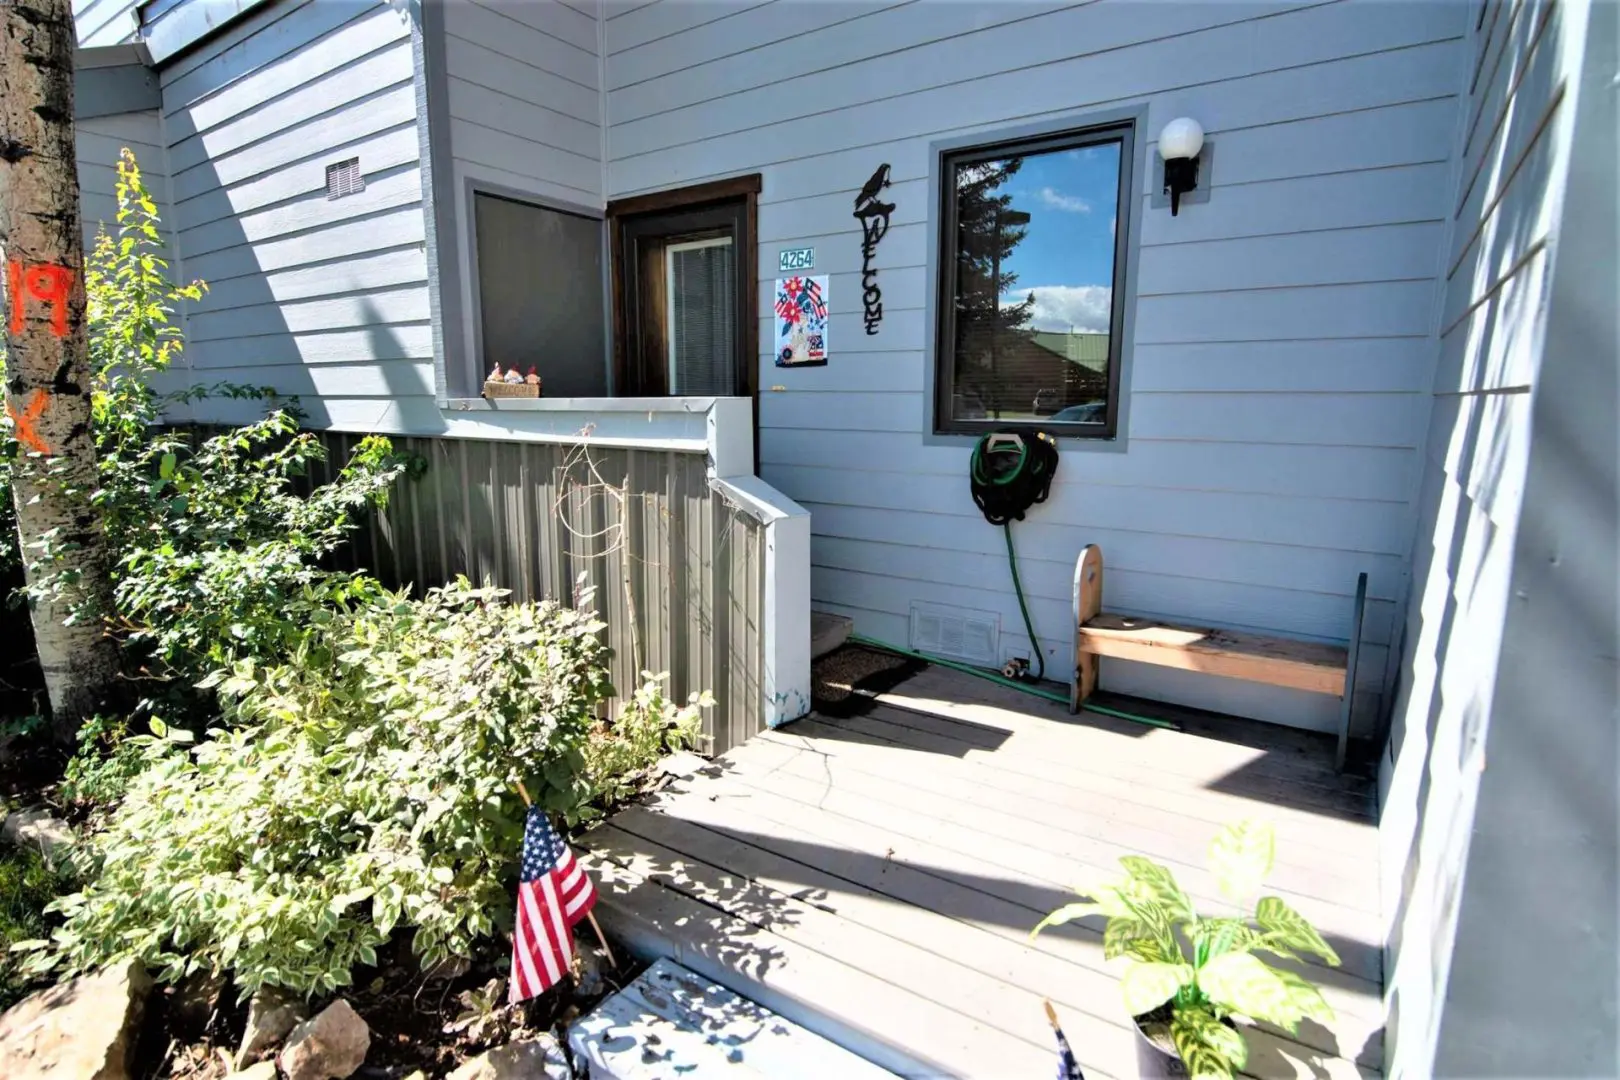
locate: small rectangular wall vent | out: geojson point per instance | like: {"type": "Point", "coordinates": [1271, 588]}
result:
{"type": "Point", "coordinates": [957, 633]}
{"type": "Point", "coordinates": [343, 178]}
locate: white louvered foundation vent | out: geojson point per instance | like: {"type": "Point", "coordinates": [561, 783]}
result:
{"type": "Point", "coordinates": [957, 633]}
{"type": "Point", "coordinates": [344, 178]}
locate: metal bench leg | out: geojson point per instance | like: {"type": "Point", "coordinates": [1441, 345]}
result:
{"type": "Point", "coordinates": [1349, 696]}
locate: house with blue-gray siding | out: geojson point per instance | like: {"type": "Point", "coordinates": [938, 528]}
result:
{"type": "Point", "coordinates": [1374, 336]}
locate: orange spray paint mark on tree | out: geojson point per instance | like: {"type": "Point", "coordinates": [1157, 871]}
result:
{"type": "Point", "coordinates": [38, 402]}
{"type": "Point", "coordinates": [45, 283]}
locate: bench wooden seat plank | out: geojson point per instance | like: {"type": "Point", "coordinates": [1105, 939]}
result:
{"type": "Point", "coordinates": [1301, 665]}
{"type": "Point", "coordinates": [1314, 667]}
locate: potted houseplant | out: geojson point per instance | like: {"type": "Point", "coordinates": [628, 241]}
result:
{"type": "Point", "coordinates": [1188, 976]}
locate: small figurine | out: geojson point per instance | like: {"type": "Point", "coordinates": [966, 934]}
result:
{"type": "Point", "coordinates": [514, 376]}
{"type": "Point", "coordinates": [494, 374]}
{"type": "Point", "coordinates": [533, 379]}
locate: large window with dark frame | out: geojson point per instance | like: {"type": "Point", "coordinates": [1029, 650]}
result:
{"type": "Point", "coordinates": [1032, 283]}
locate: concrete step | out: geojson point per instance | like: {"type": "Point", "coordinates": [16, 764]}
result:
{"type": "Point", "coordinates": [673, 1022]}
{"type": "Point", "coordinates": [827, 632]}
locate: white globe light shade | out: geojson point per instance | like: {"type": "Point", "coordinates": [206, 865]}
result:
{"type": "Point", "coordinates": [1181, 138]}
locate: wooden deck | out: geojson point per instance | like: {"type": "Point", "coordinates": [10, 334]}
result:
{"type": "Point", "coordinates": [875, 878]}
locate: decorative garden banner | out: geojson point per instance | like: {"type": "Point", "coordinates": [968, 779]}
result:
{"type": "Point", "coordinates": [801, 321]}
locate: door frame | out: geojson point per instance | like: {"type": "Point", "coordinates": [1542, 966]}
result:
{"type": "Point", "coordinates": [738, 189]}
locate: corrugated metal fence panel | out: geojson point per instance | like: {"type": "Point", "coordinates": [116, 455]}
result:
{"type": "Point", "coordinates": [678, 571]}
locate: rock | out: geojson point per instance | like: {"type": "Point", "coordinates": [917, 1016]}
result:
{"type": "Point", "coordinates": [590, 979]}
{"type": "Point", "coordinates": [195, 1000]}
{"type": "Point", "coordinates": [272, 1013]}
{"type": "Point", "coordinates": [264, 1070]}
{"type": "Point", "coordinates": [539, 1058]}
{"type": "Point", "coordinates": [39, 830]}
{"type": "Point", "coordinates": [85, 1029]}
{"type": "Point", "coordinates": [329, 1047]}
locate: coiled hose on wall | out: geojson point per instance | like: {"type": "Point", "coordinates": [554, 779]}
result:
{"type": "Point", "coordinates": [1008, 474]}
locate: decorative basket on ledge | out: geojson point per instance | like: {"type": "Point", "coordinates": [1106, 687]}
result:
{"type": "Point", "coordinates": [506, 389]}
{"type": "Point", "coordinates": [497, 386]}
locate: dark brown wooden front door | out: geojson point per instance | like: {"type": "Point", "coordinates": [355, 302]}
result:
{"type": "Point", "coordinates": [685, 291]}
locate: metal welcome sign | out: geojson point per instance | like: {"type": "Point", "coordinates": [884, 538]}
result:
{"type": "Point", "coordinates": [873, 214]}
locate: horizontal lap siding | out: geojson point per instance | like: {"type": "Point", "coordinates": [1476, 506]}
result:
{"type": "Point", "coordinates": [104, 22]}
{"type": "Point", "coordinates": [1503, 211]}
{"type": "Point", "coordinates": [678, 572]}
{"type": "Point", "coordinates": [1283, 340]}
{"type": "Point", "coordinates": [319, 298]}
{"type": "Point", "coordinates": [100, 140]}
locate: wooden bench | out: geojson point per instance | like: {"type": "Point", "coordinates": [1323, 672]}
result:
{"type": "Point", "coordinates": [1298, 665]}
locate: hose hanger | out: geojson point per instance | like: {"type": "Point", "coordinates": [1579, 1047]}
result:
{"type": "Point", "coordinates": [1008, 474]}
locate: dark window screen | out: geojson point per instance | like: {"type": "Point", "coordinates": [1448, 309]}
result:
{"type": "Point", "coordinates": [540, 295]}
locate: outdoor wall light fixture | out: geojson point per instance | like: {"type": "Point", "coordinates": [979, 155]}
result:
{"type": "Point", "coordinates": [1179, 145]}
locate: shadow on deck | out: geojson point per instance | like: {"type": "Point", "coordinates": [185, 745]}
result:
{"type": "Point", "coordinates": [875, 876]}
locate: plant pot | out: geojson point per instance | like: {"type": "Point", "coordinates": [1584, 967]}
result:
{"type": "Point", "coordinates": [1153, 1061]}
{"type": "Point", "coordinates": [1156, 1060]}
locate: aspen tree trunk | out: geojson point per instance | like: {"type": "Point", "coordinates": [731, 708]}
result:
{"type": "Point", "coordinates": [47, 381]}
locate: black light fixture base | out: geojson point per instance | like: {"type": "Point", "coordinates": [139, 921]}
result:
{"type": "Point", "coordinates": [1180, 175]}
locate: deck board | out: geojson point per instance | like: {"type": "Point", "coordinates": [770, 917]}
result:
{"type": "Point", "coordinates": [917, 895]}
{"type": "Point", "coordinates": [1089, 776]}
{"type": "Point", "coordinates": [864, 749]}
{"type": "Point", "coordinates": [1015, 843]}
{"type": "Point", "coordinates": [1007, 718]}
{"type": "Point", "coordinates": [766, 968]}
{"type": "Point", "coordinates": [1055, 760]}
{"type": "Point", "coordinates": [887, 868]}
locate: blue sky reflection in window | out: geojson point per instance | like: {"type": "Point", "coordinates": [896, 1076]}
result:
{"type": "Point", "coordinates": [1035, 274]}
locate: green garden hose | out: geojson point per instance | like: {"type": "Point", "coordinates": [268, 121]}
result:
{"type": "Point", "coordinates": [1018, 587]}
{"type": "Point", "coordinates": [1008, 473]}
{"type": "Point", "coordinates": [996, 677]}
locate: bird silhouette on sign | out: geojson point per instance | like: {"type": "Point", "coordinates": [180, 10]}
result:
{"type": "Point", "coordinates": [873, 215]}
{"type": "Point", "coordinates": [866, 203]}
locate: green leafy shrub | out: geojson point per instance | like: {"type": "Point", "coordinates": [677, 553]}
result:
{"type": "Point", "coordinates": [1152, 923]}
{"type": "Point", "coordinates": [104, 764]}
{"type": "Point", "coordinates": [27, 886]}
{"type": "Point", "coordinates": [211, 537]}
{"type": "Point", "coordinates": [366, 782]}
{"type": "Point", "coordinates": [223, 544]}
{"type": "Point", "coordinates": [618, 754]}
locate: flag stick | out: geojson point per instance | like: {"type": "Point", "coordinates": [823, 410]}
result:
{"type": "Point", "coordinates": [591, 915]}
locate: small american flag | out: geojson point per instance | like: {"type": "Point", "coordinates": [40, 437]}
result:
{"type": "Point", "coordinates": [813, 299]}
{"type": "Point", "coordinates": [554, 893]}
{"type": "Point", "coordinates": [1068, 1067]}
